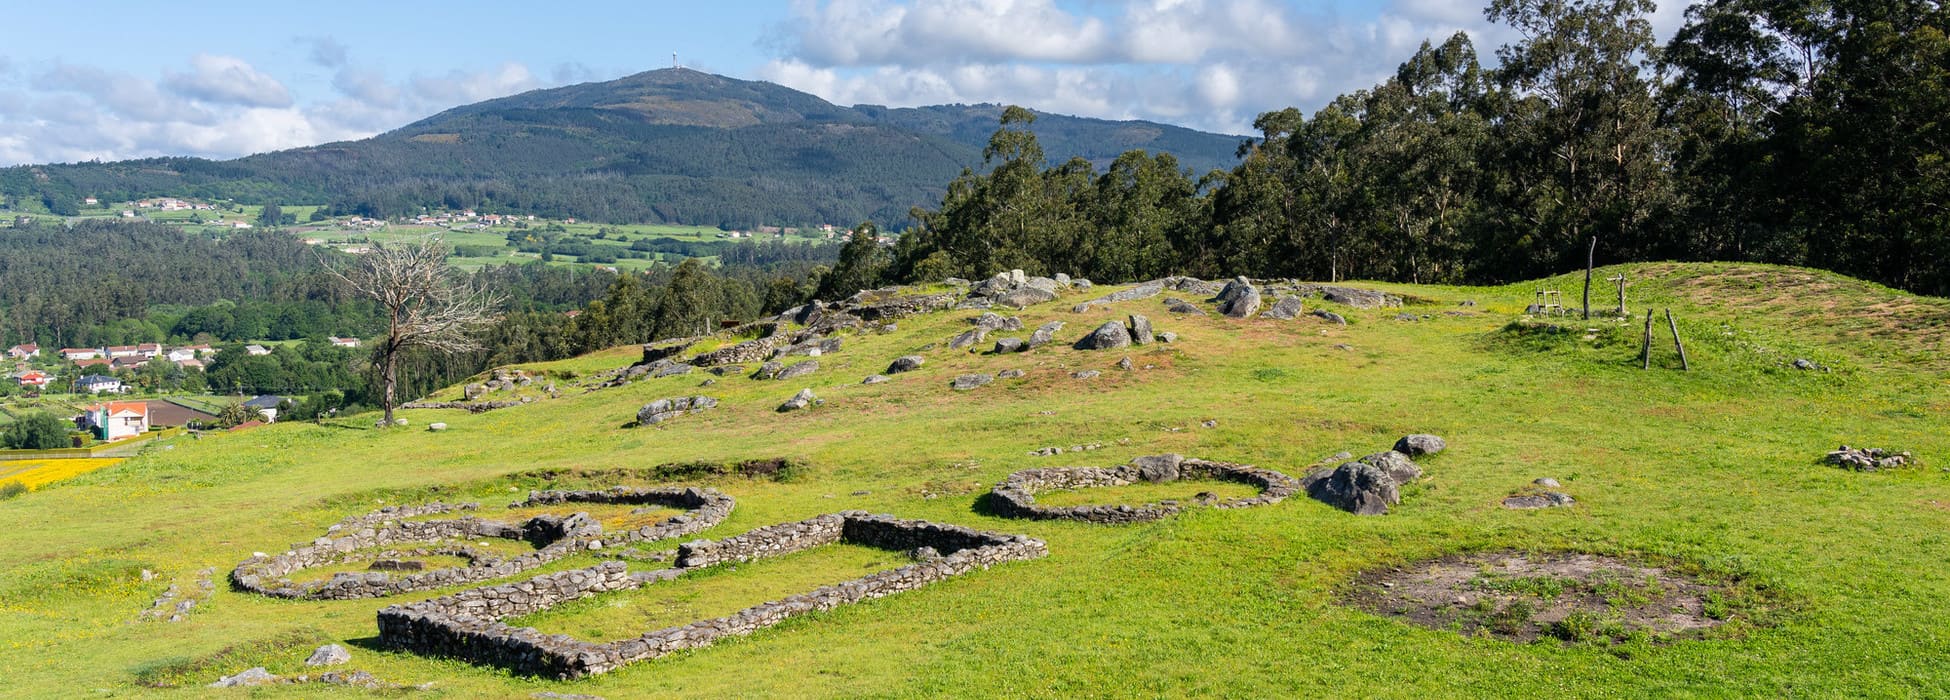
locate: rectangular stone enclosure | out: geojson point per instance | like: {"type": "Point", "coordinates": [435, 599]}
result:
{"type": "Point", "coordinates": [467, 625]}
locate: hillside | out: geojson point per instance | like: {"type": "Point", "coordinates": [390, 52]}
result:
{"type": "Point", "coordinates": [1829, 581]}
{"type": "Point", "coordinates": [672, 145]}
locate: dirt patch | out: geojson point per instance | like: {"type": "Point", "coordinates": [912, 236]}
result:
{"type": "Point", "coordinates": [1523, 596]}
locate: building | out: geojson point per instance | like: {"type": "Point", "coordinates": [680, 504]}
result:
{"type": "Point", "coordinates": [25, 351]}
{"type": "Point", "coordinates": [96, 384]}
{"type": "Point", "coordinates": [93, 362]}
{"type": "Point", "coordinates": [35, 378]}
{"type": "Point", "coordinates": [344, 342]}
{"type": "Point", "coordinates": [257, 350]}
{"type": "Point", "coordinates": [120, 351]}
{"type": "Point", "coordinates": [128, 362]}
{"type": "Point", "coordinates": [79, 354]}
{"type": "Point", "coordinates": [117, 420]}
{"type": "Point", "coordinates": [267, 406]}
{"type": "Point", "coordinates": [149, 350]}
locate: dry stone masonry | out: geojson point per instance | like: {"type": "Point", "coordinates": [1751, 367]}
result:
{"type": "Point", "coordinates": [468, 625]}
{"type": "Point", "coordinates": [1016, 495]}
{"type": "Point", "coordinates": [1867, 460]}
{"type": "Point", "coordinates": [557, 536]}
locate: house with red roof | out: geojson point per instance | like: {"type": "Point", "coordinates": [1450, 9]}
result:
{"type": "Point", "coordinates": [24, 351]}
{"type": "Point", "coordinates": [116, 420]}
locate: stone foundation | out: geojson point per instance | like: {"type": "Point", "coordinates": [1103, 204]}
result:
{"type": "Point", "coordinates": [559, 537]}
{"type": "Point", "coordinates": [1016, 496]}
{"type": "Point", "coordinates": [467, 625]}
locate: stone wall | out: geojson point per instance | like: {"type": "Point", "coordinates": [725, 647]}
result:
{"type": "Point", "coordinates": [1016, 495]}
{"type": "Point", "coordinates": [468, 625]}
{"type": "Point", "coordinates": [558, 537]}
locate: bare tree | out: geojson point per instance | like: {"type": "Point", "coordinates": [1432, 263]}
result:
{"type": "Point", "coordinates": [427, 304]}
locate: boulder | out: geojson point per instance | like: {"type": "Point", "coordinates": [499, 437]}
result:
{"type": "Point", "coordinates": [1330, 316]}
{"type": "Point", "coordinates": [802, 400]}
{"type": "Point", "coordinates": [1359, 298]}
{"type": "Point", "coordinates": [1044, 334]}
{"type": "Point", "coordinates": [1232, 290]}
{"type": "Point", "coordinates": [246, 679]}
{"type": "Point", "coordinates": [1286, 309]}
{"type": "Point", "coordinates": [968, 338]}
{"type": "Point", "coordinates": [436, 427]}
{"type": "Point", "coordinates": [1547, 482]}
{"type": "Point", "coordinates": [1025, 297]}
{"type": "Point", "coordinates": [798, 369]}
{"type": "Point", "coordinates": [769, 370]}
{"type": "Point", "coordinates": [1532, 501]}
{"type": "Point", "coordinates": [1357, 488]}
{"type": "Point", "coordinates": [1085, 374]}
{"type": "Point", "coordinates": [1141, 329]}
{"type": "Point", "coordinates": [1043, 283]}
{"type": "Point", "coordinates": [1420, 445]}
{"type": "Point", "coordinates": [1180, 306]}
{"type": "Point", "coordinates": [875, 379]}
{"type": "Point", "coordinates": [1009, 345]}
{"type": "Point", "coordinates": [1110, 336]}
{"type": "Point", "coordinates": [995, 322]}
{"type": "Point", "coordinates": [905, 363]}
{"type": "Point", "coordinates": [671, 370]}
{"type": "Point", "coordinates": [1397, 465]}
{"type": "Point", "coordinates": [1158, 469]}
{"type": "Point", "coordinates": [1062, 279]}
{"type": "Point", "coordinates": [970, 381]}
{"type": "Point", "coordinates": [329, 655]}
{"type": "Point", "coordinates": [1804, 364]}
{"type": "Point", "coordinates": [1244, 305]}
{"type": "Point", "coordinates": [1008, 374]}
{"type": "Point", "coordinates": [1125, 364]}
{"type": "Point", "coordinates": [662, 410]}
{"type": "Point", "coordinates": [1167, 337]}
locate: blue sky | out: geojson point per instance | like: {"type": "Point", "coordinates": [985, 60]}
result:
{"type": "Point", "coordinates": [222, 79]}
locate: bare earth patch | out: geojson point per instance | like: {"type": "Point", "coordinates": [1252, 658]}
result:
{"type": "Point", "coordinates": [1522, 597]}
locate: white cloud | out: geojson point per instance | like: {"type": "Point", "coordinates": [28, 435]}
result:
{"type": "Point", "coordinates": [222, 107]}
{"type": "Point", "coordinates": [326, 51]}
{"type": "Point", "coordinates": [1211, 64]}
{"type": "Point", "coordinates": [227, 80]}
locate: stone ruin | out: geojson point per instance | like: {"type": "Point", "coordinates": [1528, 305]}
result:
{"type": "Point", "coordinates": [1016, 495]}
{"type": "Point", "coordinates": [1868, 459]}
{"type": "Point", "coordinates": [557, 536]}
{"type": "Point", "coordinates": [468, 625]}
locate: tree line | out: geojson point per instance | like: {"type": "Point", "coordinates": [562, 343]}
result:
{"type": "Point", "coordinates": [1798, 132]}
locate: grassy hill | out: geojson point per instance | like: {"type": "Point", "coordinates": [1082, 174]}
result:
{"type": "Point", "coordinates": [672, 146]}
{"type": "Point", "coordinates": [1715, 467]}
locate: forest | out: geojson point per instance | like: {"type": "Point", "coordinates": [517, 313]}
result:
{"type": "Point", "coordinates": [1805, 133]}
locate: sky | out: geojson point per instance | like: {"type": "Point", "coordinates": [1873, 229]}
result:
{"type": "Point", "coordinates": [222, 79]}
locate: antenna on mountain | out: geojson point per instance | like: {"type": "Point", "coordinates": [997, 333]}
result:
{"type": "Point", "coordinates": [673, 60]}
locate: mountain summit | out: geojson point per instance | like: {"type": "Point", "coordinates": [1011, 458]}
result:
{"type": "Point", "coordinates": [672, 145]}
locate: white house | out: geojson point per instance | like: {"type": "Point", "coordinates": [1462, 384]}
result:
{"type": "Point", "coordinates": [97, 383]}
{"type": "Point", "coordinates": [24, 351]}
{"type": "Point", "coordinates": [116, 420]}
{"type": "Point", "coordinates": [78, 354]}
{"type": "Point", "coordinates": [266, 406]}
{"type": "Point", "coordinates": [344, 342]}
{"type": "Point", "coordinates": [257, 350]}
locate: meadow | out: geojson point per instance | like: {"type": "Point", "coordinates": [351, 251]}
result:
{"type": "Point", "coordinates": [1716, 466]}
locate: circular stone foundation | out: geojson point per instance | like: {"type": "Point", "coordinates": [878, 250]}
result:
{"type": "Point", "coordinates": [362, 537]}
{"type": "Point", "coordinates": [1016, 495]}
{"type": "Point", "coordinates": [1569, 596]}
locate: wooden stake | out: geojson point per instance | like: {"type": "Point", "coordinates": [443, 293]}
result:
{"type": "Point", "coordinates": [1675, 341]}
{"type": "Point", "coordinates": [1620, 279]}
{"type": "Point", "coordinates": [1645, 343]}
{"type": "Point", "coordinates": [1590, 261]}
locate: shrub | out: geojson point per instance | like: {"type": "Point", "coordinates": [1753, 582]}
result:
{"type": "Point", "coordinates": [38, 430]}
{"type": "Point", "coordinates": [12, 489]}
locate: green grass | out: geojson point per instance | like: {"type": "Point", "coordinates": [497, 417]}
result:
{"type": "Point", "coordinates": [1715, 466]}
{"type": "Point", "coordinates": [1143, 493]}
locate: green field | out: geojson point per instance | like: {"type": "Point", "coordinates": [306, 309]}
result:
{"type": "Point", "coordinates": [1716, 467]}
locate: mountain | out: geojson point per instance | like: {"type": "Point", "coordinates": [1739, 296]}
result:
{"type": "Point", "coordinates": [672, 145]}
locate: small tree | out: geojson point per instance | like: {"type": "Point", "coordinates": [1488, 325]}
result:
{"type": "Point", "coordinates": [426, 303]}
{"type": "Point", "coordinates": [236, 414]}
{"type": "Point", "coordinates": [271, 216]}
{"type": "Point", "coordinates": [861, 261]}
{"type": "Point", "coordinates": [38, 430]}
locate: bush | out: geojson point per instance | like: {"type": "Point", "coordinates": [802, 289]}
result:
{"type": "Point", "coordinates": [12, 489]}
{"type": "Point", "coordinates": [38, 430]}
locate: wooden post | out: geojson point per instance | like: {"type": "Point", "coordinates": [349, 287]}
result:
{"type": "Point", "coordinates": [1645, 343]}
{"type": "Point", "coordinates": [1590, 261]}
{"type": "Point", "coordinates": [1675, 341]}
{"type": "Point", "coordinates": [1620, 279]}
